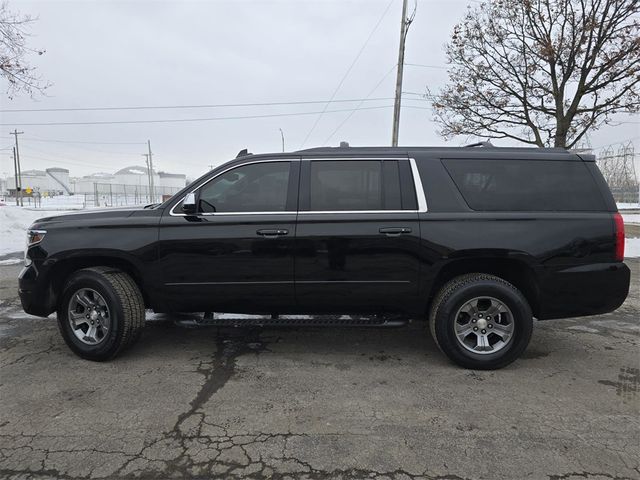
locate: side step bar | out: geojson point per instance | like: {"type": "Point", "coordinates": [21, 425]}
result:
{"type": "Point", "coordinates": [231, 320]}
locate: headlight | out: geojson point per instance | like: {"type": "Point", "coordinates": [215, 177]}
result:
{"type": "Point", "coordinates": [33, 238]}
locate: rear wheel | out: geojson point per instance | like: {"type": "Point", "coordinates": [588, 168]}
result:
{"type": "Point", "coordinates": [481, 321]}
{"type": "Point", "coordinates": [101, 312]}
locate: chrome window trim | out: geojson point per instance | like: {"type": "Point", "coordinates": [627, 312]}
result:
{"type": "Point", "coordinates": [322, 212]}
{"type": "Point", "coordinates": [417, 181]}
{"type": "Point", "coordinates": [206, 214]}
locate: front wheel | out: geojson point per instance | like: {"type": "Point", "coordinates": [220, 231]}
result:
{"type": "Point", "coordinates": [481, 321]}
{"type": "Point", "coordinates": [101, 312]}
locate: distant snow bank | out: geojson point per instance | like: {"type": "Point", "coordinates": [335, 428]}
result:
{"type": "Point", "coordinates": [628, 206]}
{"type": "Point", "coordinates": [632, 247]}
{"type": "Point", "coordinates": [14, 222]}
{"type": "Point", "coordinates": [631, 217]}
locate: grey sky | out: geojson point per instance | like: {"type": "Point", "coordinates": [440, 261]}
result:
{"type": "Point", "coordinates": [103, 53]}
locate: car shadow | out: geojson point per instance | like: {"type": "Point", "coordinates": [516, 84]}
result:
{"type": "Point", "coordinates": [183, 332]}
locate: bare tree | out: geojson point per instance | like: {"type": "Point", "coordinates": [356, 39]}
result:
{"type": "Point", "coordinates": [544, 72]}
{"type": "Point", "coordinates": [14, 66]}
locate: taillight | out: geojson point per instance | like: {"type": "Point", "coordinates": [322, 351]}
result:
{"type": "Point", "coordinates": [619, 233]}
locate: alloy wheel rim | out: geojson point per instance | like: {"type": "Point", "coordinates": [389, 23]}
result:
{"type": "Point", "coordinates": [484, 325]}
{"type": "Point", "coordinates": [89, 316]}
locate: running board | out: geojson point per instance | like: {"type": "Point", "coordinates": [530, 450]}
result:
{"type": "Point", "coordinates": [231, 320]}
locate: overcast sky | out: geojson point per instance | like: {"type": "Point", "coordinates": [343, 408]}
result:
{"type": "Point", "coordinates": [143, 53]}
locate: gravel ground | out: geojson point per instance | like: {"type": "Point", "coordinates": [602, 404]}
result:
{"type": "Point", "coordinates": [319, 403]}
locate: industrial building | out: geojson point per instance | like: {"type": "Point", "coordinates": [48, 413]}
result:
{"type": "Point", "coordinates": [53, 181]}
{"type": "Point", "coordinates": [127, 186]}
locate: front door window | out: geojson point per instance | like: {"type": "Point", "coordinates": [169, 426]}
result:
{"type": "Point", "coordinates": [256, 187]}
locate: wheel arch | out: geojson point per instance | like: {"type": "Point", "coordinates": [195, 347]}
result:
{"type": "Point", "coordinates": [516, 271]}
{"type": "Point", "coordinates": [62, 270]}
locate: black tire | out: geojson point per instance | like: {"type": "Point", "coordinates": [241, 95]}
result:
{"type": "Point", "coordinates": [453, 295]}
{"type": "Point", "coordinates": [126, 307]}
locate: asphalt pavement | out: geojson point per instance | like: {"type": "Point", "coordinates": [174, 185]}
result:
{"type": "Point", "coordinates": [318, 403]}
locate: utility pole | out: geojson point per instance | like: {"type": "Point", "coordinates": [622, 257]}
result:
{"type": "Point", "coordinates": [282, 135]}
{"type": "Point", "coordinates": [152, 191]}
{"type": "Point", "coordinates": [146, 155]}
{"type": "Point", "coordinates": [15, 169]}
{"type": "Point", "coordinates": [19, 171]}
{"type": "Point", "coordinates": [404, 27]}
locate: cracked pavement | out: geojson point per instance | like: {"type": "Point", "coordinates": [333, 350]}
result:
{"type": "Point", "coordinates": [318, 403]}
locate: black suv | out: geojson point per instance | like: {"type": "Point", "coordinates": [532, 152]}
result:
{"type": "Point", "coordinates": [477, 241]}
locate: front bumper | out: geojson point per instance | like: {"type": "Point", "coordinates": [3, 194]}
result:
{"type": "Point", "coordinates": [36, 294]}
{"type": "Point", "coordinates": [584, 290]}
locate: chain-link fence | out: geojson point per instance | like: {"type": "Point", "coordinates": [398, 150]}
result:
{"type": "Point", "coordinates": [618, 169]}
{"type": "Point", "coordinates": [118, 194]}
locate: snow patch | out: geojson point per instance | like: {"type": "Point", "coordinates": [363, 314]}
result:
{"type": "Point", "coordinates": [632, 247]}
{"type": "Point", "coordinates": [628, 206]}
{"type": "Point", "coordinates": [14, 222]}
{"type": "Point", "coordinates": [631, 217]}
{"type": "Point", "coordinates": [10, 261]}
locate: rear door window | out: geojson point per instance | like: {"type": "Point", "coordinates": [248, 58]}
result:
{"type": "Point", "coordinates": [520, 185]}
{"type": "Point", "coordinates": [344, 185]}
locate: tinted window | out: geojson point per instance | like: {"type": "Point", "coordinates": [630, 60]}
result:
{"type": "Point", "coordinates": [346, 185]}
{"type": "Point", "coordinates": [518, 185]}
{"type": "Point", "coordinates": [258, 187]}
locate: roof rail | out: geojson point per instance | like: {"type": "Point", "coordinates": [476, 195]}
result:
{"type": "Point", "coordinates": [481, 144]}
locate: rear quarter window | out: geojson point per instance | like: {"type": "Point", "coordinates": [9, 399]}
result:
{"type": "Point", "coordinates": [521, 185]}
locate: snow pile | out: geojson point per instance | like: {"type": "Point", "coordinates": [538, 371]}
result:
{"type": "Point", "coordinates": [63, 202]}
{"type": "Point", "coordinates": [632, 247]}
{"type": "Point", "coordinates": [628, 206]}
{"type": "Point", "coordinates": [631, 217]}
{"type": "Point", "coordinates": [14, 222]}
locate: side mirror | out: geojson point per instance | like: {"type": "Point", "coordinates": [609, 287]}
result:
{"type": "Point", "coordinates": [189, 204]}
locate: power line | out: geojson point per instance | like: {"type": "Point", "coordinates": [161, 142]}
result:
{"type": "Point", "coordinates": [346, 74]}
{"type": "Point", "coordinates": [616, 143]}
{"type": "Point", "coordinates": [439, 67]}
{"type": "Point", "coordinates": [346, 119]}
{"type": "Point", "coordinates": [165, 107]}
{"type": "Point", "coordinates": [181, 120]}
{"type": "Point", "coordinates": [52, 160]}
{"type": "Point", "coordinates": [419, 108]}
{"type": "Point", "coordinates": [57, 158]}
{"type": "Point", "coordinates": [85, 148]}
{"type": "Point", "coordinates": [40, 139]}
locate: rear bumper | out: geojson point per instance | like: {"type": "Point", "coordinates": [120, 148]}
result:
{"type": "Point", "coordinates": [584, 290]}
{"type": "Point", "coordinates": [35, 294]}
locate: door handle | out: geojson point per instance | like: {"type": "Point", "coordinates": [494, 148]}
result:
{"type": "Point", "coordinates": [273, 233]}
{"type": "Point", "coordinates": [394, 231]}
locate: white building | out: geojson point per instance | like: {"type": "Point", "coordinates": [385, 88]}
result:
{"type": "Point", "coordinates": [87, 183]}
{"type": "Point", "coordinates": [135, 175]}
{"type": "Point", "coordinates": [171, 180]}
{"type": "Point", "coordinates": [52, 180]}
{"type": "Point", "coordinates": [58, 180]}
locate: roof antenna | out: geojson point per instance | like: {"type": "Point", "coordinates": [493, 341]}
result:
{"type": "Point", "coordinates": [344, 144]}
{"type": "Point", "coordinates": [243, 153]}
